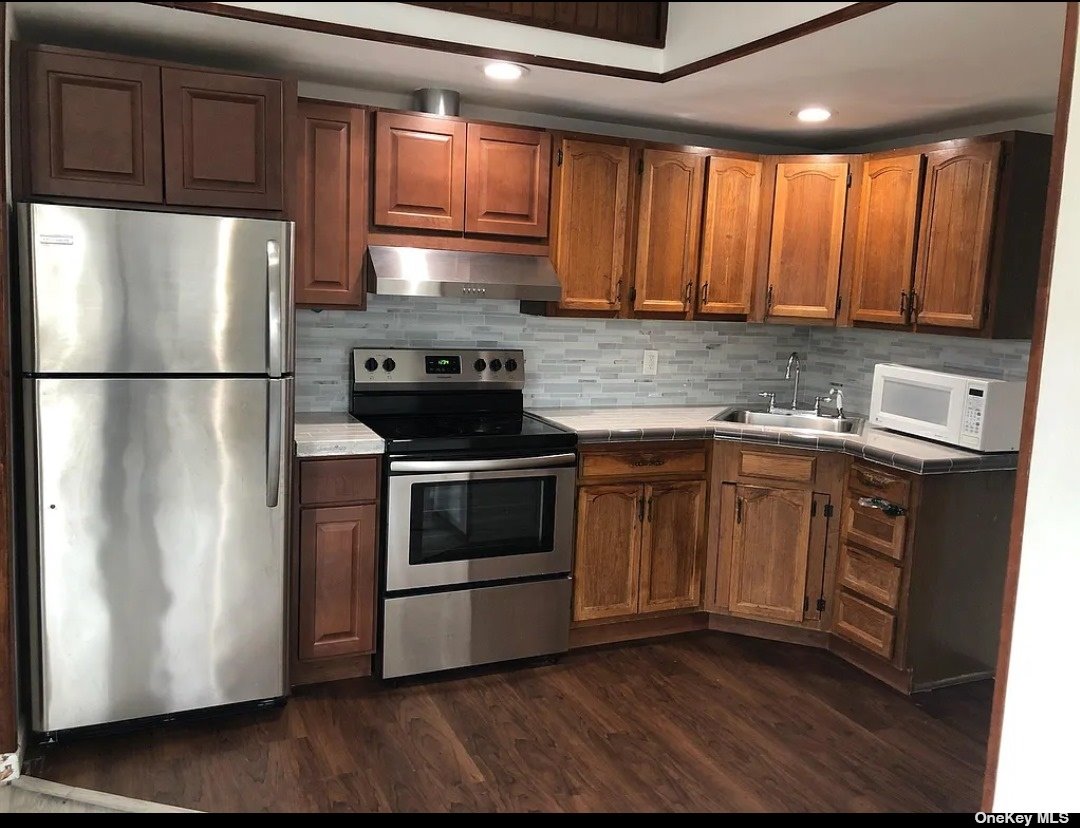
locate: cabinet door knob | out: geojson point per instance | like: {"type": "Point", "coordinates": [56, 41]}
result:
{"type": "Point", "coordinates": [689, 290]}
{"type": "Point", "coordinates": [768, 300]}
{"type": "Point", "coordinates": [705, 294]}
{"type": "Point", "coordinates": [903, 303]}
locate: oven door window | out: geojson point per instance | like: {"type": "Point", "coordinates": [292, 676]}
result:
{"type": "Point", "coordinates": [467, 519]}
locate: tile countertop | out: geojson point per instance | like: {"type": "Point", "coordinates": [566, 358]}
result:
{"type": "Point", "coordinates": [603, 425]}
{"type": "Point", "coordinates": [334, 435]}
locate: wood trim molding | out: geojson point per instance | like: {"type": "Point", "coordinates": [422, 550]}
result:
{"type": "Point", "coordinates": [8, 729]}
{"type": "Point", "coordinates": [1027, 434]}
{"type": "Point", "coordinates": [855, 10]}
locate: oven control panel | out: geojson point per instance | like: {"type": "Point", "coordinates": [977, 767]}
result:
{"type": "Point", "coordinates": [425, 367]}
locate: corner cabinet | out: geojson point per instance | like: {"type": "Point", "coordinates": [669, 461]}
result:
{"type": "Point", "coordinates": [331, 205]}
{"type": "Point", "coordinates": [105, 127]}
{"type": "Point", "coordinates": [335, 568]}
{"type": "Point", "coordinates": [668, 231]}
{"type": "Point", "coordinates": [808, 216]}
{"type": "Point", "coordinates": [640, 530]}
{"type": "Point", "coordinates": [589, 235]}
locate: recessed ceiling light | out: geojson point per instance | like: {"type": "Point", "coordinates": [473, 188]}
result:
{"type": "Point", "coordinates": [502, 71]}
{"type": "Point", "coordinates": [813, 114]}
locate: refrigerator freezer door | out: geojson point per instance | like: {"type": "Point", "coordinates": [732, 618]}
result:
{"type": "Point", "coordinates": [158, 570]}
{"type": "Point", "coordinates": [137, 292]}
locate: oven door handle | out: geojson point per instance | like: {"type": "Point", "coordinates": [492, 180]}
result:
{"type": "Point", "coordinates": [497, 464]}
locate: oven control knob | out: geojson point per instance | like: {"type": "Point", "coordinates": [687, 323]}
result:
{"type": "Point", "coordinates": [371, 364]}
{"type": "Point", "coordinates": [389, 364]}
{"type": "Point", "coordinates": [496, 365]}
{"type": "Point", "coordinates": [479, 365]}
{"type": "Point", "coordinates": [511, 365]}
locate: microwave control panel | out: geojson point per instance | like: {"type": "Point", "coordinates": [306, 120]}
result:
{"type": "Point", "coordinates": [974, 405]}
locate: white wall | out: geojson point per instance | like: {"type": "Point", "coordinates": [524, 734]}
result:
{"type": "Point", "coordinates": [1039, 764]}
{"type": "Point", "coordinates": [1043, 123]}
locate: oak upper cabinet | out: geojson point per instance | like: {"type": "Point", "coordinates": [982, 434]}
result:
{"type": "Point", "coordinates": [885, 244]}
{"type": "Point", "coordinates": [729, 235]}
{"type": "Point", "coordinates": [959, 202]}
{"type": "Point", "coordinates": [224, 139]}
{"type": "Point", "coordinates": [671, 545]}
{"type": "Point", "coordinates": [331, 208]}
{"type": "Point", "coordinates": [419, 172]}
{"type": "Point", "coordinates": [607, 557]}
{"type": "Point", "coordinates": [94, 127]}
{"type": "Point", "coordinates": [668, 230]}
{"type": "Point", "coordinates": [589, 223]}
{"type": "Point", "coordinates": [769, 553]}
{"type": "Point", "coordinates": [507, 180]}
{"type": "Point", "coordinates": [809, 203]}
{"type": "Point", "coordinates": [337, 581]}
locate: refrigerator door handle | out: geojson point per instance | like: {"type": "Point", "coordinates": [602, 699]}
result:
{"type": "Point", "coordinates": [273, 307]}
{"type": "Point", "coordinates": [275, 390]}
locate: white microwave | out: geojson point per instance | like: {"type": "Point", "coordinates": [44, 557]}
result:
{"type": "Point", "coordinates": [970, 412]}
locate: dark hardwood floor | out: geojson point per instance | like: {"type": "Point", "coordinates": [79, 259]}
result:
{"type": "Point", "coordinates": [701, 722]}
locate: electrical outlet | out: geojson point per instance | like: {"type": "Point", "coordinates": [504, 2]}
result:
{"type": "Point", "coordinates": [649, 363]}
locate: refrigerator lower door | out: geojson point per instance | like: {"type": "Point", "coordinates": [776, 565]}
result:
{"type": "Point", "coordinates": [158, 568]}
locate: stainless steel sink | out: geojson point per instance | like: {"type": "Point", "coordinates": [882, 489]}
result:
{"type": "Point", "coordinates": [782, 419]}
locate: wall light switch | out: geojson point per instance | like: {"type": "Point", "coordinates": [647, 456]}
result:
{"type": "Point", "coordinates": [650, 363]}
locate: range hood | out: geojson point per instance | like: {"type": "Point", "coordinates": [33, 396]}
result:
{"type": "Point", "coordinates": [415, 271]}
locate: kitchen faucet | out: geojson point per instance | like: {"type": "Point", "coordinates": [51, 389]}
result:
{"type": "Point", "coordinates": [794, 361]}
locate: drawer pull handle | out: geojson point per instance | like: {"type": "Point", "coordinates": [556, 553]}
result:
{"type": "Point", "coordinates": [890, 509]}
{"type": "Point", "coordinates": [648, 461]}
{"type": "Point", "coordinates": [876, 480]}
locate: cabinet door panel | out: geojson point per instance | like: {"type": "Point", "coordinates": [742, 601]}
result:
{"type": "Point", "coordinates": [507, 181]}
{"type": "Point", "coordinates": [589, 236]}
{"type": "Point", "coordinates": [337, 581]}
{"type": "Point", "coordinates": [331, 214]}
{"type": "Point", "coordinates": [959, 198]}
{"type": "Point", "coordinates": [224, 139]}
{"type": "Point", "coordinates": [807, 238]}
{"type": "Point", "coordinates": [885, 246]}
{"type": "Point", "coordinates": [669, 219]}
{"type": "Point", "coordinates": [419, 172]}
{"type": "Point", "coordinates": [608, 551]}
{"type": "Point", "coordinates": [95, 127]}
{"type": "Point", "coordinates": [864, 624]}
{"type": "Point", "coordinates": [729, 237]}
{"type": "Point", "coordinates": [770, 551]}
{"type": "Point", "coordinates": [671, 546]}
{"type": "Point", "coordinates": [871, 528]}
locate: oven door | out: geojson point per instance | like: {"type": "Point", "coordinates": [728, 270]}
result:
{"type": "Point", "coordinates": [455, 522]}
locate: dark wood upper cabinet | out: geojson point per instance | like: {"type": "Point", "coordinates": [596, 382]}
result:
{"type": "Point", "coordinates": [729, 235]}
{"type": "Point", "coordinates": [589, 217]}
{"type": "Point", "coordinates": [331, 208]}
{"type": "Point", "coordinates": [94, 127]}
{"type": "Point", "coordinates": [885, 245]}
{"type": "Point", "coordinates": [668, 231]}
{"type": "Point", "coordinates": [337, 581]}
{"type": "Point", "coordinates": [644, 23]}
{"type": "Point", "coordinates": [507, 180]}
{"type": "Point", "coordinates": [959, 202]}
{"type": "Point", "coordinates": [807, 239]}
{"type": "Point", "coordinates": [224, 139]}
{"type": "Point", "coordinates": [419, 172]}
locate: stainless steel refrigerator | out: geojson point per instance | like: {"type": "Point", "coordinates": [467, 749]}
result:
{"type": "Point", "coordinates": [157, 357]}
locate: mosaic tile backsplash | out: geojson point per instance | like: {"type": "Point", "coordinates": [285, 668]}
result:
{"type": "Point", "coordinates": [597, 362]}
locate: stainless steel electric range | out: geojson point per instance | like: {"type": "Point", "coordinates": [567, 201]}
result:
{"type": "Point", "coordinates": [479, 509]}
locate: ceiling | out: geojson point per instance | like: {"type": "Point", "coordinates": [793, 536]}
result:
{"type": "Point", "coordinates": [910, 67]}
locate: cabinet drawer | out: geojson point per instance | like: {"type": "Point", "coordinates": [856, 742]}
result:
{"type": "Point", "coordinates": [762, 464]}
{"type": "Point", "coordinates": [346, 480]}
{"type": "Point", "coordinates": [867, 524]}
{"type": "Point", "coordinates": [869, 575]}
{"type": "Point", "coordinates": [864, 624]}
{"type": "Point", "coordinates": [643, 462]}
{"type": "Point", "coordinates": [874, 482]}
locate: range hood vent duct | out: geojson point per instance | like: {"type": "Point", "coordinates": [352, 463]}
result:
{"type": "Point", "coordinates": [437, 101]}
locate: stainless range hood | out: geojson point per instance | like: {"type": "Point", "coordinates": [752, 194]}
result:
{"type": "Point", "coordinates": [415, 271]}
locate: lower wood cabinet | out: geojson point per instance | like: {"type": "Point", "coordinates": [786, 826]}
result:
{"type": "Point", "coordinates": [335, 568]}
{"type": "Point", "coordinates": [639, 544]}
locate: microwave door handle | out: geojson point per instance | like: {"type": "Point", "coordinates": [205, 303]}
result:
{"type": "Point", "coordinates": [496, 464]}
{"type": "Point", "coordinates": [273, 308]}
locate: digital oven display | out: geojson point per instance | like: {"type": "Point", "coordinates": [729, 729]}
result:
{"type": "Point", "coordinates": [442, 364]}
